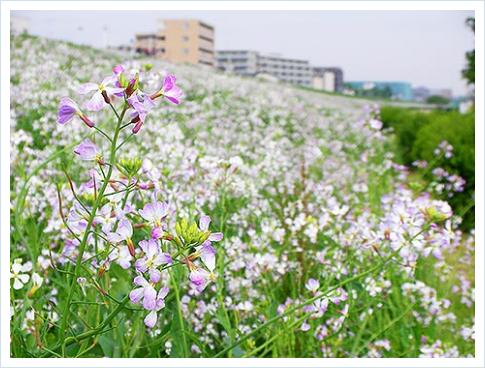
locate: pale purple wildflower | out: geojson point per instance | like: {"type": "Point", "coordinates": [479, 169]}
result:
{"type": "Point", "coordinates": [375, 124]}
{"type": "Point", "coordinates": [151, 318]}
{"type": "Point", "coordinates": [145, 292]}
{"type": "Point", "coordinates": [123, 232]}
{"type": "Point", "coordinates": [154, 212]}
{"type": "Point", "coordinates": [87, 151]}
{"type": "Point", "coordinates": [142, 104]}
{"type": "Point", "coordinates": [208, 256]}
{"type": "Point", "coordinates": [204, 223]}
{"type": "Point", "coordinates": [97, 101]}
{"type": "Point", "coordinates": [305, 326]}
{"type": "Point", "coordinates": [312, 285]}
{"type": "Point", "coordinates": [68, 109]}
{"type": "Point", "coordinates": [170, 91]}
{"type": "Point", "coordinates": [118, 69]}
{"type": "Point", "coordinates": [124, 257]}
{"type": "Point", "coordinates": [153, 257]}
{"type": "Point", "coordinates": [199, 279]}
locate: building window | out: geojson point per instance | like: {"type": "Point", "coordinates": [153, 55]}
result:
{"type": "Point", "coordinates": [185, 38]}
{"type": "Point", "coordinates": [185, 51]}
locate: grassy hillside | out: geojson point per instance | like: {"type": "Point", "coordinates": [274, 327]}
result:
{"type": "Point", "coordinates": [327, 251]}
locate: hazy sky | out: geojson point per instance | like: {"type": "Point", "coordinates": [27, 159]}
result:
{"type": "Point", "coordinates": [422, 47]}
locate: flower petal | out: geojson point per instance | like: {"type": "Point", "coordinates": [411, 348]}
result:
{"type": "Point", "coordinates": [96, 102]}
{"type": "Point", "coordinates": [151, 319]}
{"type": "Point", "coordinates": [149, 297]}
{"type": "Point", "coordinates": [204, 223]}
{"type": "Point", "coordinates": [216, 236]}
{"type": "Point", "coordinates": [136, 295]}
{"type": "Point", "coordinates": [87, 87]}
{"type": "Point", "coordinates": [17, 284]}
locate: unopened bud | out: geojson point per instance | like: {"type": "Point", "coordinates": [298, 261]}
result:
{"type": "Point", "coordinates": [137, 127]}
{"type": "Point", "coordinates": [387, 234]}
{"type": "Point", "coordinates": [145, 186]}
{"type": "Point", "coordinates": [100, 160]}
{"type": "Point", "coordinates": [32, 291]}
{"type": "Point", "coordinates": [131, 247]}
{"type": "Point", "coordinates": [86, 120]}
{"type": "Point", "coordinates": [135, 120]}
{"type": "Point", "coordinates": [132, 86]}
{"type": "Point", "coordinates": [156, 95]}
{"type": "Point", "coordinates": [101, 271]}
{"type": "Point", "coordinates": [106, 97]}
{"type": "Point", "coordinates": [168, 237]}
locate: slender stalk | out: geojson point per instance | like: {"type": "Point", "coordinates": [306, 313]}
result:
{"type": "Point", "coordinates": [97, 331]}
{"type": "Point", "coordinates": [179, 313]}
{"type": "Point", "coordinates": [82, 245]}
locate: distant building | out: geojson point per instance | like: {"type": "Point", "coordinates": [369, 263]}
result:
{"type": "Point", "coordinates": [328, 79]}
{"type": "Point", "coordinates": [288, 70]}
{"type": "Point", "coordinates": [179, 41]}
{"type": "Point", "coordinates": [443, 92]}
{"type": "Point", "coordinates": [243, 62]}
{"type": "Point", "coordinates": [420, 94]}
{"type": "Point", "coordinates": [251, 63]}
{"type": "Point", "coordinates": [395, 90]}
{"type": "Point", "coordinates": [19, 24]}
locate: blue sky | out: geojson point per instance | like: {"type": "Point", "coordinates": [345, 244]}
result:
{"type": "Point", "coordinates": [421, 47]}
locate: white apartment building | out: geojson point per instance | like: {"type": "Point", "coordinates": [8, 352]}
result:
{"type": "Point", "coordinates": [251, 63]}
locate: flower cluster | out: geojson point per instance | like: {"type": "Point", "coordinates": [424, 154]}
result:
{"type": "Point", "coordinates": [108, 200]}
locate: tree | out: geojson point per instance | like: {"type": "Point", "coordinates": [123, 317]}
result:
{"type": "Point", "coordinates": [469, 72]}
{"type": "Point", "coordinates": [438, 100]}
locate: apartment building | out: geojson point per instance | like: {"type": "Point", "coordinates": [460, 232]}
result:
{"type": "Point", "coordinates": [250, 63]}
{"type": "Point", "coordinates": [330, 79]}
{"type": "Point", "coordinates": [179, 41]}
{"type": "Point", "coordinates": [243, 62]}
{"type": "Point", "coordinates": [288, 70]}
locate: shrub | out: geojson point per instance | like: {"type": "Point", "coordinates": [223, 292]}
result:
{"type": "Point", "coordinates": [418, 133]}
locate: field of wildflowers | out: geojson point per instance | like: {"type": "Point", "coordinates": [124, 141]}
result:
{"type": "Point", "coordinates": [174, 211]}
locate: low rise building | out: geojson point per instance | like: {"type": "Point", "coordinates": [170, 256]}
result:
{"type": "Point", "coordinates": [252, 63]}
{"type": "Point", "coordinates": [330, 79]}
{"type": "Point", "coordinates": [243, 62]}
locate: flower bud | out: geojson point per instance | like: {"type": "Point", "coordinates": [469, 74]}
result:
{"type": "Point", "coordinates": [86, 120]}
{"type": "Point", "coordinates": [131, 247]}
{"type": "Point", "coordinates": [101, 271]}
{"type": "Point", "coordinates": [145, 186]}
{"type": "Point", "coordinates": [168, 237]}
{"type": "Point", "coordinates": [156, 95]}
{"type": "Point", "coordinates": [100, 160]}
{"type": "Point", "coordinates": [106, 97]}
{"type": "Point", "coordinates": [132, 86]}
{"type": "Point", "coordinates": [32, 291]}
{"type": "Point", "coordinates": [135, 120]}
{"type": "Point", "coordinates": [137, 127]}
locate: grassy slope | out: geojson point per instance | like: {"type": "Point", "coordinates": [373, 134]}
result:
{"type": "Point", "coordinates": [385, 323]}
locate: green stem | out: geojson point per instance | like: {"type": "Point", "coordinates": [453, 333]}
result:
{"type": "Point", "coordinates": [179, 314]}
{"type": "Point", "coordinates": [97, 331]}
{"type": "Point", "coordinates": [82, 245]}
